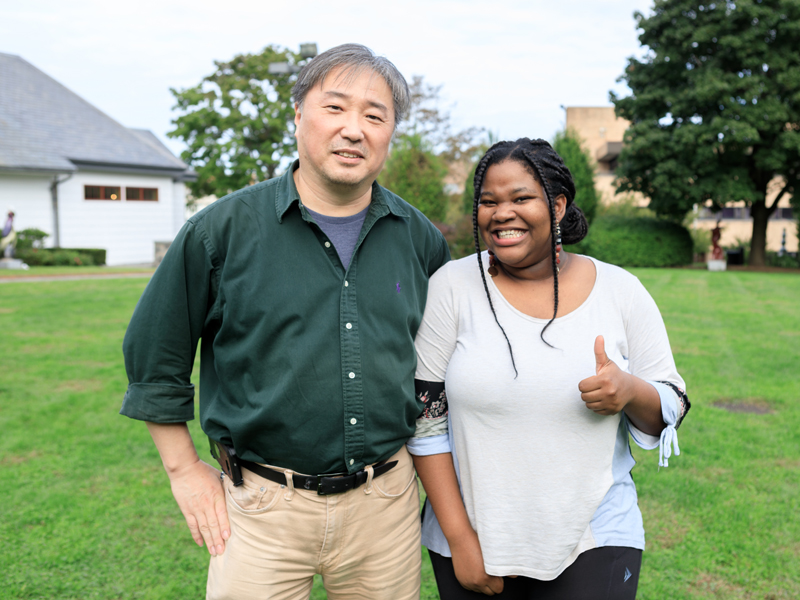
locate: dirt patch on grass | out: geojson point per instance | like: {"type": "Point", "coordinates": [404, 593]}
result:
{"type": "Point", "coordinates": [7, 311]}
{"type": "Point", "coordinates": [665, 527]}
{"type": "Point", "coordinates": [785, 463]}
{"type": "Point", "coordinates": [755, 406]}
{"type": "Point", "coordinates": [668, 534]}
{"type": "Point", "coordinates": [718, 587]}
{"type": "Point", "coordinates": [80, 385]}
{"type": "Point", "coordinates": [18, 459]}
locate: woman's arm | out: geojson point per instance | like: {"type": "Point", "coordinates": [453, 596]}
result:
{"type": "Point", "coordinates": [438, 477]}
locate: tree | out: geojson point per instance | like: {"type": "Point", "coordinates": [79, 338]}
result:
{"type": "Point", "coordinates": [238, 122]}
{"type": "Point", "coordinates": [425, 148]}
{"type": "Point", "coordinates": [715, 108]}
{"type": "Point", "coordinates": [578, 160]}
{"type": "Point", "coordinates": [416, 174]}
{"type": "Point", "coordinates": [430, 122]}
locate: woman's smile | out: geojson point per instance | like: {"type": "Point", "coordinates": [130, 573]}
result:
{"type": "Point", "coordinates": [508, 237]}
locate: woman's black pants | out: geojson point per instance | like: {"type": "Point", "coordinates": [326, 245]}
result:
{"type": "Point", "coordinates": [607, 573]}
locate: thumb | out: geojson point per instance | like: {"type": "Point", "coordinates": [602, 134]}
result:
{"type": "Point", "coordinates": [600, 356]}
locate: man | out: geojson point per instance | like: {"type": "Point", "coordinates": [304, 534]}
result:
{"type": "Point", "coordinates": [307, 291]}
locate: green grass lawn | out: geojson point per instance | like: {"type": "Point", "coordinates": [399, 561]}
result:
{"type": "Point", "coordinates": [86, 511]}
{"type": "Point", "coordinates": [61, 271]}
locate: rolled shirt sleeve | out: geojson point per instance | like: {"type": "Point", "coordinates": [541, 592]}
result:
{"type": "Point", "coordinates": [651, 359]}
{"type": "Point", "coordinates": [169, 319]}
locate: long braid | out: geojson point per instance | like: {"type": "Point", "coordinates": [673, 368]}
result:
{"type": "Point", "coordinates": [480, 171]}
{"type": "Point", "coordinates": [553, 224]}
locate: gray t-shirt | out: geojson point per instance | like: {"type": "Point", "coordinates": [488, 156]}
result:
{"type": "Point", "coordinates": [341, 231]}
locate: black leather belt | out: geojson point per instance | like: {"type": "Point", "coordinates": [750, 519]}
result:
{"type": "Point", "coordinates": [325, 485]}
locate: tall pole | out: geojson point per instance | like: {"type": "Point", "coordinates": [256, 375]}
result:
{"type": "Point", "coordinates": [54, 199]}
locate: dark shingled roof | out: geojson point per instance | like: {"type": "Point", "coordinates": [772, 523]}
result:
{"type": "Point", "coordinates": [46, 127]}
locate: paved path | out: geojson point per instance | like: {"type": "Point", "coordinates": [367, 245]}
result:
{"type": "Point", "coordinates": [35, 278]}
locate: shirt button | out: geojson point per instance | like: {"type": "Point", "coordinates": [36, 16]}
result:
{"type": "Point", "coordinates": [327, 244]}
{"type": "Point", "coordinates": [346, 283]}
{"type": "Point", "coordinates": [349, 325]}
{"type": "Point", "coordinates": [352, 461]}
{"type": "Point", "coordinates": [353, 421]}
{"type": "Point", "coordinates": [352, 375]}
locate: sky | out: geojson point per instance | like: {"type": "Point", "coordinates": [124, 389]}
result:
{"type": "Point", "coordinates": [507, 66]}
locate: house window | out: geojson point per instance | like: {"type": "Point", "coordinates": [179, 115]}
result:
{"type": "Point", "coordinates": [150, 194]}
{"type": "Point", "coordinates": [101, 192]}
{"type": "Point", "coordinates": [735, 212]}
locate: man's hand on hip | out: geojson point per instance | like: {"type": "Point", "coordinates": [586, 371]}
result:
{"type": "Point", "coordinates": [201, 497]}
{"type": "Point", "coordinates": [196, 485]}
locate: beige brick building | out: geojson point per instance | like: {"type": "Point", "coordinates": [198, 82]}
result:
{"type": "Point", "coordinates": [602, 131]}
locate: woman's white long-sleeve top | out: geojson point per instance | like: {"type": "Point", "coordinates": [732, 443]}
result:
{"type": "Point", "coordinates": [542, 477]}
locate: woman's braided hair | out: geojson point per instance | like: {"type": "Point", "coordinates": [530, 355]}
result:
{"type": "Point", "coordinates": [546, 166]}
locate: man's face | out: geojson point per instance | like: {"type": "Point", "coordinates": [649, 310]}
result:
{"type": "Point", "coordinates": [344, 128]}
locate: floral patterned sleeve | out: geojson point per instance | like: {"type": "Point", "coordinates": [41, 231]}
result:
{"type": "Point", "coordinates": [432, 420]}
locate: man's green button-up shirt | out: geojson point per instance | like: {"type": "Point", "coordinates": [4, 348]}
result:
{"type": "Point", "coordinates": [303, 365]}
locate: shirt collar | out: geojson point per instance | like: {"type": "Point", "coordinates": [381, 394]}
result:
{"type": "Point", "coordinates": [288, 195]}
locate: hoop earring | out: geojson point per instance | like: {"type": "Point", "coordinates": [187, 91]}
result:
{"type": "Point", "coordinates": [558, 246]}
{"type": "Point", "coordinates": [492, 264]}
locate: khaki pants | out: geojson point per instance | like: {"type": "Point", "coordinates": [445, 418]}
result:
{"type": "Point", "coordinates": [365, 543]}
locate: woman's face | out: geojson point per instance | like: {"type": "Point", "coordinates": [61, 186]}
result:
{"type": "Point", "coordinates": [513, 217]}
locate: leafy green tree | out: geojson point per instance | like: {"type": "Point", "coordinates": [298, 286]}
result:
{"type": "Point", "coordinates": [425, 146]}
{"type": "Point", "coordinates": [238, 122]}
{"type": "Point", "coordinates": [715, 107]}
{"type": "Point", "coordinates": [578, 160]}
{"type": "Point", "coordinates": [416, 174]}
{"type": "Point", "coordinates": [468, 196]}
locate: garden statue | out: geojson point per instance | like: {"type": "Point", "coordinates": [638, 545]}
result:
{"type": "Point", "coordinates": [8, 239]}
{"type": "Point", "coordinates": [716, 233]}
{"type": "Point", "coordinates": [717, 261]}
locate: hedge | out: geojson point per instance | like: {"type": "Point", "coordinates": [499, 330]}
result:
{"type": "Point", "coordinates": [75, 257]}
{"type": "Point", "coordinates": [637, 242]}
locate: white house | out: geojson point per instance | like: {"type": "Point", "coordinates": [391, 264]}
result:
{"type": "Point", "coordinates": [77, 174]}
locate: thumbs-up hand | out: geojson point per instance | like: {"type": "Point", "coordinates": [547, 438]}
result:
{"type": "Point", "coordinates": [610, 389]}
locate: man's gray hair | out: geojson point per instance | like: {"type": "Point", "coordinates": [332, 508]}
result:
{"type": "Point", "coordinates": [354, 58]}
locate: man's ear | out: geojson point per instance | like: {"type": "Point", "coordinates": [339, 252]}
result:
{"type": "Point", "coordinates": [297, 114]}
{"type": "Point", "coordinates": [561, 207]}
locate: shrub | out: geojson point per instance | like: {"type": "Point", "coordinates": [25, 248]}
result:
{"type": "Point", "coordinates": [701, 240]}
{"type": "Point", "coordinates": [459, 237]}
{"type": "Point", "coordinates": [416, 174]}
{"type": "Point", "coordinates": [637, 242]}
{"type": "Point", "coordinates": [98, 255]}
{"type": "Point", "coordinates": [63, 257]}
{"type": "Point", "coordinates": [787, 261]}
{"type": "Point", "coordinates": [30, 238]}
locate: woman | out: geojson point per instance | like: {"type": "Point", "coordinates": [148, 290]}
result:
{"type": "Point", "coordinates": [550, 360]}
